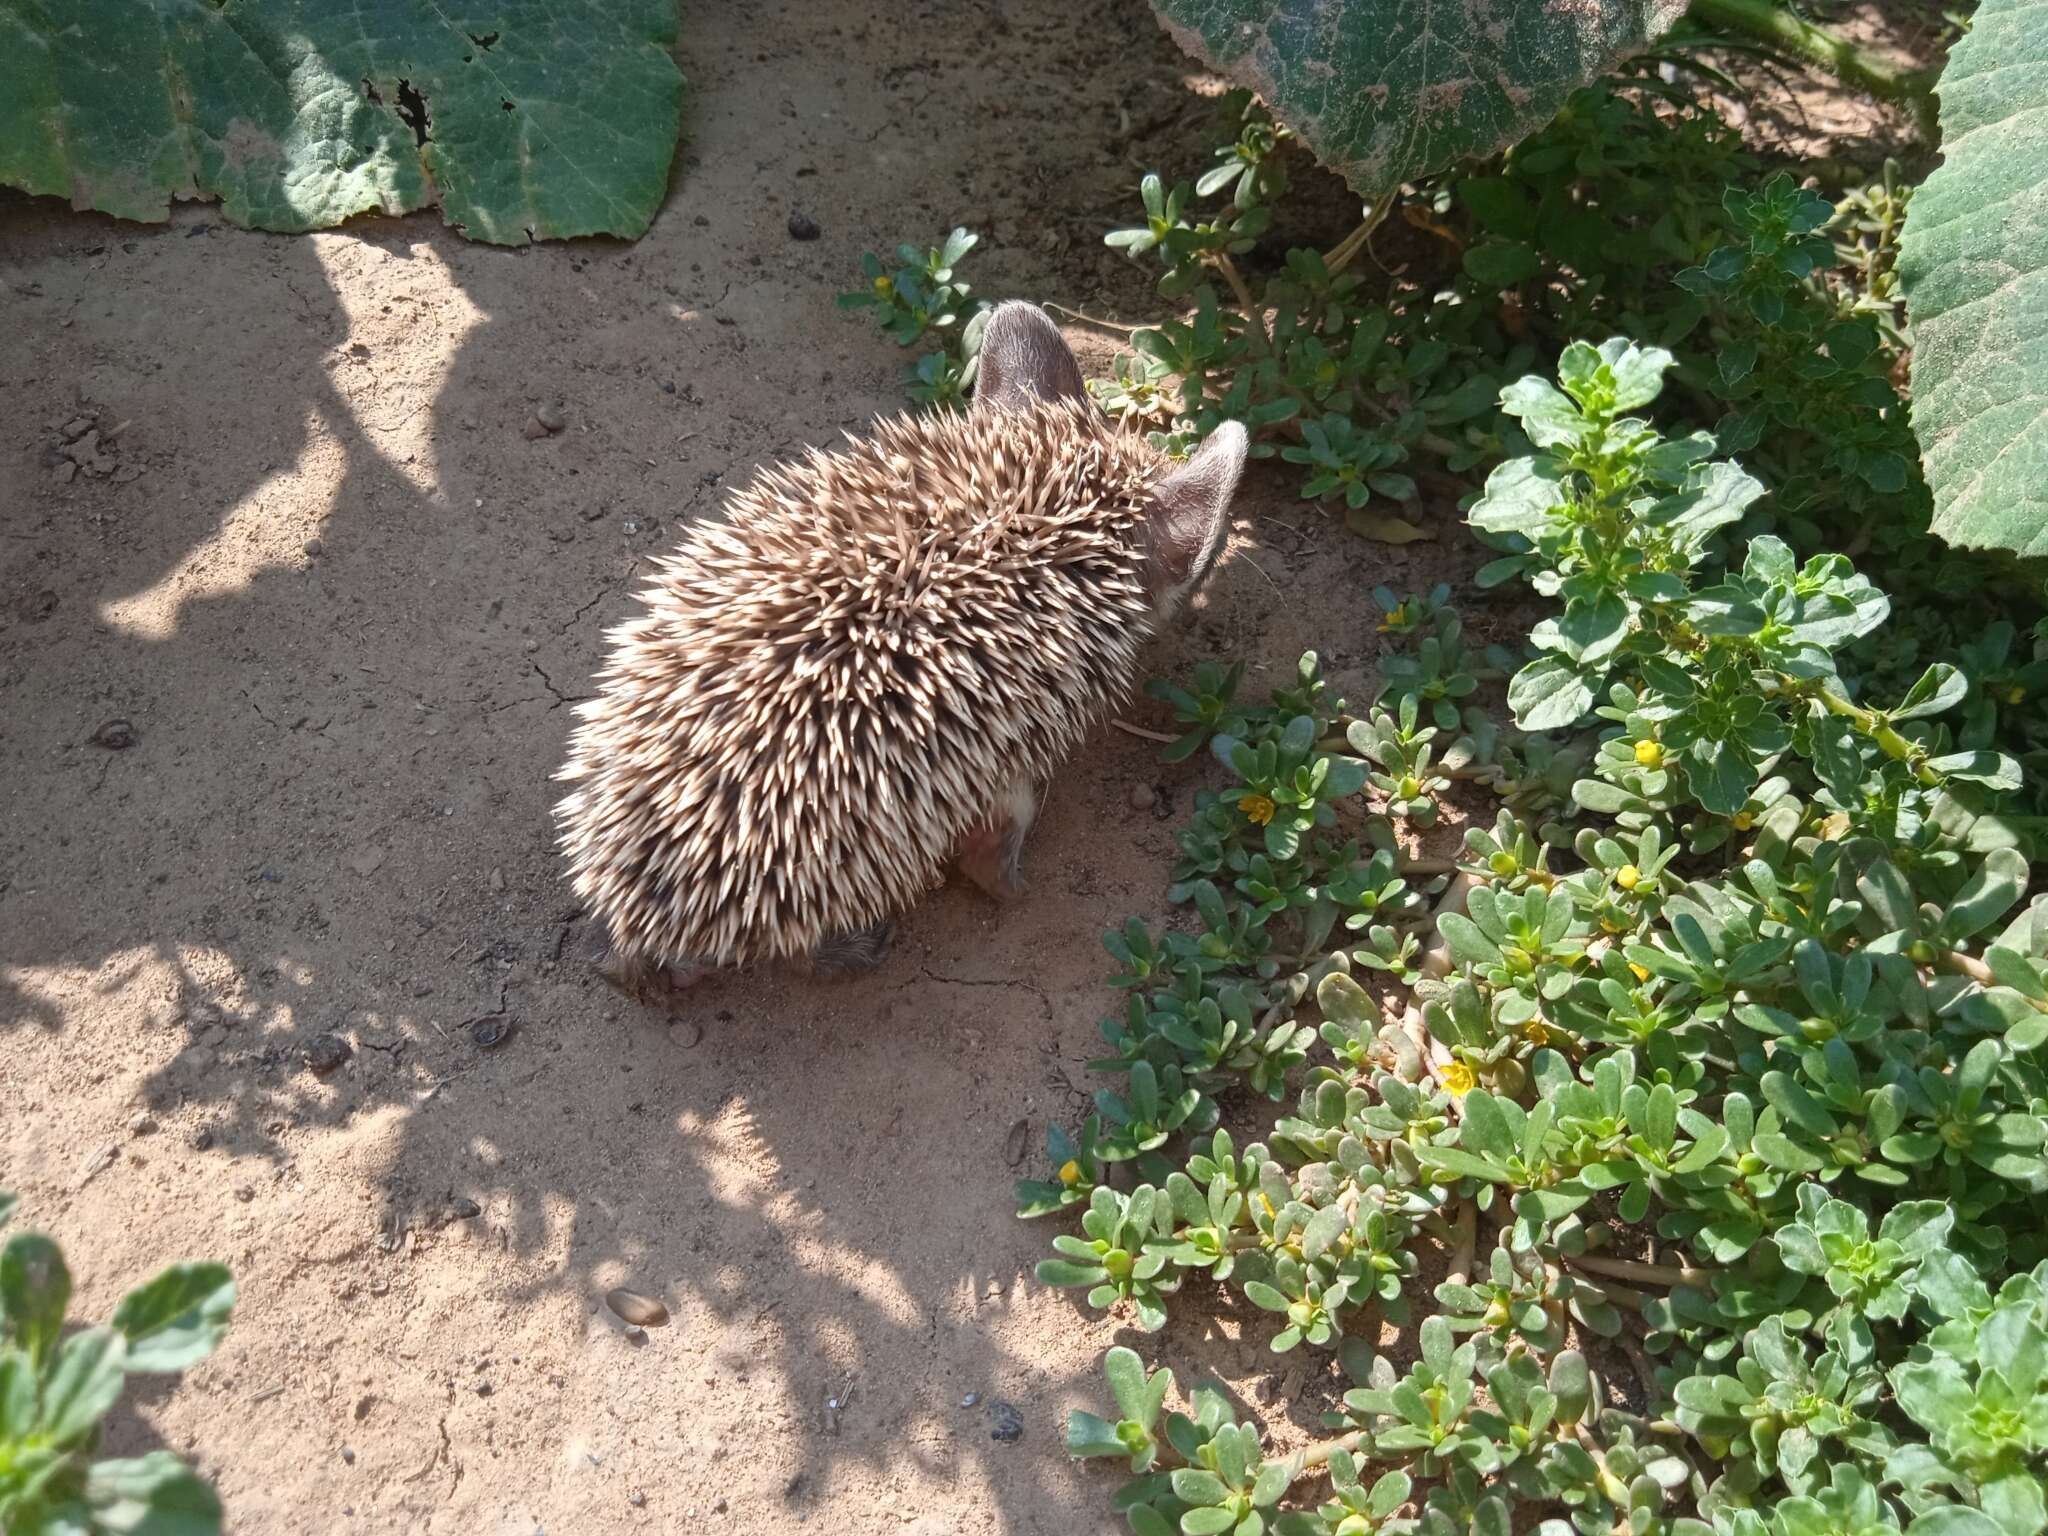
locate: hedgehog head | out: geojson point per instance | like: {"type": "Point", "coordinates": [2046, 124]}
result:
{"type": "Point", "coordinates": [1024, 359]}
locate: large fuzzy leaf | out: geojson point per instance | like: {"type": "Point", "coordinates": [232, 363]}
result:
{"type": "Point", "coordinates": [1386, 90]}
{"type": "Point", "coordinates": [1974, 260]}
{"type": "Point", "coordinates": [524, 119]}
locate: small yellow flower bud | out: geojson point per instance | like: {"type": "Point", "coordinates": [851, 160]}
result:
{"type": "Point", "coordinates": [1649, 754]}
{"type": "Point", "coordinates": [1070, 1173]}
{"type": "Point", "coordinates": [1258, 808]}
{"type": "Point", "coordinates": [1459, 1079]}
{"type": "Point", "coordinates": [1628, 877]}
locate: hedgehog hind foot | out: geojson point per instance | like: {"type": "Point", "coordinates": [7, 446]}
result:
{"type": "Point", "coordinates": [992, 855]}
{"type": "Point", "coordinates": [848, 954]}
{"type": "Point", "coordinates": [649, 984]}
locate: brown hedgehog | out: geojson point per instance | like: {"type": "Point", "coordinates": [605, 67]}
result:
{"type": "Point", "coordinates": [863, 674]}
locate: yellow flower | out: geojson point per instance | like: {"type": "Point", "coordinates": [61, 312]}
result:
{"type": "Point", "coordinates": [1258, 808]}
{"type": "Point", "coordinates": [1458, 1079]}
{"type": "Point", "coordinates": [1397, 615]}
{"type": "Point", "coordinates": [1628, 877]}
{"type": "Point", "coordinates": [1743, 820]}
{"type": "Point", "coordinates": [1640, 973]}
{"type": "Point", "coordinates": [884, 287]}
{"type": "Point", "coordinates": [1070, 1173]}
{"type": "Point", "coordinates": [1649, 754]}
{"type": "Point", "coordinates": [1536, 1032]}
{"type": "Point", "coordinates": [2015, 694]}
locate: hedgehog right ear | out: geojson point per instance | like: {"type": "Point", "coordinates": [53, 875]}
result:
{"type": "Point", "coordinates": [1189, 517]}
{"type": "Point", "coordinates": [1024, 358]}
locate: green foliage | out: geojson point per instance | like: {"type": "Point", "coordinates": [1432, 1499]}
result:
{"type": "Point", "coordinates": [55, 1389]}
{"type": "Point", "coordinates": [536, 122]}
{"type": "Point", "coordinates": [1384, 93]}
{"type": "Point", "coordinates": [1974, 261]}
{"type": "Point", "coordinates": [919, 301]}
{"type": "Point", "coordinates": [1762, 987]}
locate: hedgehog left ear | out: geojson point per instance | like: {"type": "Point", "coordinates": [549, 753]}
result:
{"type": "Point", "coordinates": [1189, 517]}
{"type": "Point", "coordinates": [1024, 358]}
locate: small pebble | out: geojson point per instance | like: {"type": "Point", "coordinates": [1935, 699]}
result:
{"type": "Point", "coordinates": [802, 226]}
{"type": "Point", "coordinates": [348, 1455]}
{"type": "Point", "coordinates": [313, 546]}
{"type": "Point", "coordinates": [632, 1307]}
{"type": "Point", "coordinates": [142, 1123]}
{"type": "Point", "coordinates": [114, 735]}
{"type": "Point", "coordinates": [202, 1138]}
{"type": "Point", "coordinates": [1016, 1141]}
{"type": "Point", "coordinates": [65, 472]}
{"type": "Point", "coordinates": [245, 1193]}
{"type": "Point", "coordinates": [461, 1208]}
{"type": "Point", "coordinates": [970, 1400]}
{"type": "Point", "coordinates": [325, 1054]}
{"type": "Point", "coordinates": [551, 416]}
{"type": "Point", "coordinates": [533, 431]}
{"type": "Point", "coordinates": [1006, 1424]}
{"type": "Point", "coordinates": [490, 1031]}
{"type": "Point", "coordinates": [685, 1033]}
{"type": "Point", "coordinates": [1140, 797]}
{"type": "Point", "coordinates": [718, 1508]}
{"type": "Point", "coordinates": [637, 1499]}
{"type": "Point", "coordinates": [497, 879]}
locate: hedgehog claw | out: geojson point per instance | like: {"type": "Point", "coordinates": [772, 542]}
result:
{"type": "Point", "coordinates": [650, 985]}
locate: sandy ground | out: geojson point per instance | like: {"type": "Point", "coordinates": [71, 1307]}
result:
{"type": "Point", "coordinates": [340, 601]}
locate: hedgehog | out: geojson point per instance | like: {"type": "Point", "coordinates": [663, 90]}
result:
{"type": "Point", "coordinates": [860, 679]}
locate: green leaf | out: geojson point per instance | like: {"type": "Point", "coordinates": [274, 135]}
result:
{"type": "Point", "coordinates": [84, 1380]}
{"type": "Point", "coordinates": [1974, 261]}
{"type": "Point", "coordinates": [1384, 91]}
{"type": "Point", "coordinates": [1502, 263]}
{"type": "Point", "coordinates": [153, 1495]}
{"type": "Point", "coordinates": [35, 1289]}
{"type": "Point", "coordinates": [178, 1318]}
{"type": "Point", "coordinates": [1088, 1435]}
{"type": "Point", "coordinates": [1954, 1520]}
{"type": "Point", "coordinates": [553, 118]}
{"type": "Point", "coordinates": [1549, 694]}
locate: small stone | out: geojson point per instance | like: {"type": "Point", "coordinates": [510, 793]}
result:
{"type": "Point", "coordinates": [1006, 1424]}
{"type": "Point", "coordinates": [348, 1455]}
{"type": "Point", "coordinates": [363, 1406]}
{"type": "Point", "coordinates": [534, 430]}
{"type": "Point", "coordinates": [98, 1163]}
{"type": "Point", "coordinates": [462, 1208]}
{"type": "Point", "coordinates": [551, 416]}
{"type": "Point", "coordinates": [637, 1499]}
{"type": "Point", "coordinates": [245, 1193]}
{"type": "Point", "coordinates": [85, 450]}
{"type": "Point", "coordinates": [202, 1139]}
{"type": "Point", "coordinates": [497, 878]}
{"type": "Point", "coordinates": [65, 472]}
{"type": "Point", "coordinates": [76, 428]}
{"type": "Point", "coordinates": [313, 546]}
{"type": "Point", "coordinates": [483, 1389]}
{"type": "Point", "coordinates": [970, 1400]}
{"type": "Point", "coordinates": [325, 1054]}
{"type": "Point", "coordinates": [114, 735]}
{"type": "Point", "coordinates": [1140, 797]}
{"type": "Point", "coordinates": [490, 1031]}
{"type": "Point", "coordinates": [128, 474]}
{"type": "Point", "coordinates": [1015, 1142]}
{"type": "Point", "coordinates": [718, 1508]}
{"type": "Point", "coordinates": [632, 1307]}
{"type": "Point", "coordinates": [802, 226]}
{"type": "Point", "coordinates": [685, 1033]}
{"type": "Point", "coordinates": [142, 1122]}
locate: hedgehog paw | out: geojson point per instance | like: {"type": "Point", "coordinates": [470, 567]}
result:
{"type": "Point", "coordinates": [848, 954]}
{"type": "Point", "coordinates": [651, 985]}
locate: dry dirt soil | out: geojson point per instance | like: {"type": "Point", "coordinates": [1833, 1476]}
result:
{"type": "Point", "coordinates": [283, 676]}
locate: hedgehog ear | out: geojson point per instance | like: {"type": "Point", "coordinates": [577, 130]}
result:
{"type": "Point", "coordinates": [1189, 517]}
{"type": "Point", "coordinates": [1024, 358]}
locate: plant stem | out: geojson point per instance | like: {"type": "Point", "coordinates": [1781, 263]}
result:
{"type": "Point", "coordinates": [1870, 724]}
{"type": "Point", "coordinates": [1846, 61]}
{"type": "Point", "coordinates": [1353, 245]}
{"type": "Point", "coordinates": [1648, 1274]}
{"type": "Point", "coordinates": [1467, 1234]}
{"type": "Point", "coordinates": [1222, 263]}
{"type": "Point", "coordinates": [1317, 1456]}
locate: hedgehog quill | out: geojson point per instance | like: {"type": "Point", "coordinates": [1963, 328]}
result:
{"type": "Point", "coordinates": [862, 677]}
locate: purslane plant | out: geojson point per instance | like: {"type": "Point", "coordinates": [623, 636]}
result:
{"type": "Point", "coordinates": [1722, 1076]}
